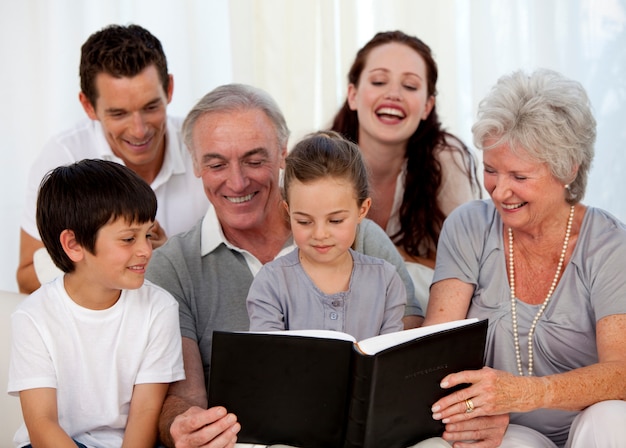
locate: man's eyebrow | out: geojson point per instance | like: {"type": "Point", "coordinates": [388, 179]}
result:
{"type": "Point", "coordinates": [253, 152]}
{"type": "Point", "coordinates": [211, 156]}
{"type": "Point", "coordinates": [262, 151]}
{"type": "Point", "coordinates": [115, 110]}
{"type": "Point", "coordinates": [150, 103]}
{"type": "Point", "coordinates": [154, 102]}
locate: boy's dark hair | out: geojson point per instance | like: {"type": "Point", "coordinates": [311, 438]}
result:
{"type": "Point", "coordinates": [85, 196]}
{"type": "Point", "coordinates": [120, 51]}
{"type": "Point", "coordinates": [326, 154]}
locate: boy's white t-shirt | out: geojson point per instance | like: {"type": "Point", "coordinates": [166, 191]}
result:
{"type": "Point", "coordinates": [94, 358]}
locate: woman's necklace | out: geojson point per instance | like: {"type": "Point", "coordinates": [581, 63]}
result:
{"type": "Point", "coordinates": [555, 280]}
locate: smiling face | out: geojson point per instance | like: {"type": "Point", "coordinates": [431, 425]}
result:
{"type": "Point", "coordinates": [238, 157]}
{"type": "Point", "coordinates": [391, 97]}
{"type": "Point", "coordinates": [323, 230]}
{"type": "Point", "coordinates": [524, 191]}
{"type": "Point", "coordinates": [122, 253]}
{"type": "Point", "coordinates": [132, 112]}
{"type": "Point", "coordinates": [119, 261]}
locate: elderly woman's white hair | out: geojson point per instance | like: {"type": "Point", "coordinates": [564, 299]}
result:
{"type": "Point", "coordinates": [545, 116]}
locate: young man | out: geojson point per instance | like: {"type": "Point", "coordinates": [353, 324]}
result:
{"type": "Point", "coordinates": [238, 139]}
{"type": "Point", "coordinates": [93, 351]}
{"type": "Point", "coordinates": [125, 90]}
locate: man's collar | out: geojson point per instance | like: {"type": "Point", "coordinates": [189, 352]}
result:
{"type": "Point", "coordinates": [173, 158]}
{"type": "Point", "coordinates": [211, 235]}
{"type": "Point", "coordinates": [173, 162]}
{"type": "Point", "coordinates": [104, 149]}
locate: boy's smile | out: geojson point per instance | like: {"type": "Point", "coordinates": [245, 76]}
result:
{"type": "Point", "coordinates": [120, 259]}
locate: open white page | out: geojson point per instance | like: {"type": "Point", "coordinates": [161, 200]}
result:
{"type": "Point", "coordinates": [376, 344]}
{"type": "Point", "coordinates": [322, 334]}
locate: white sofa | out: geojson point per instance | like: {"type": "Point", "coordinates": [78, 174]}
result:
{"type": "Point", "coordinates": [10, 411]}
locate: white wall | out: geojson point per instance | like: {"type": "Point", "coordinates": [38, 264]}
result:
{"type": "Point", "coordinates": [300, 51]}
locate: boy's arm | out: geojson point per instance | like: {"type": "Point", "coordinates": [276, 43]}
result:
{"type": "Point", "coordinates": [143, 417]}
{"type": "Point", "coordinates": [39, 407]}
{"type": "Point", "coordinates": [185, 420]}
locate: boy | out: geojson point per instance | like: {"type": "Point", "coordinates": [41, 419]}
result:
{"type": "Point", "coordinates": [93, 351]}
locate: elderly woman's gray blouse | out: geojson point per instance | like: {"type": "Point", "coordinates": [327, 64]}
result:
{"type": "Point", "coordinates": [593, 286]}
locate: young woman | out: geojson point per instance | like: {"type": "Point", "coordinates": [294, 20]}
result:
{"type": "Point", "coordinates": [418, 172]}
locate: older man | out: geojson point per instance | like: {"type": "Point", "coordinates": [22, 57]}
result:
{"type": "Point", "coordinates": [238, 139]}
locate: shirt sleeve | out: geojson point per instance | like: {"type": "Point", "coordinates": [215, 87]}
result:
{"type": "Point", "coordinates": [373, 241]}
{"type": "Point", "coordinates": [164, 272]}
{"type": "Point", "coordinates": [461, 243]}
{"type": "Point", "coordinates": [458, 184]}
{"type": "Point", "coordinates": [395, 305]}
{"type": "Point", "coordinates": [603, 251]}
{"type": "Point", "coordinates": [163, 357]}
{"type": "Point", "coordinates": [263, 303]}
{"type": "Point", "coordinates": [30, 365]}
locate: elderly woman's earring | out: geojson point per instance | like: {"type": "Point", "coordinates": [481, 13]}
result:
{"type": "Point", "coordinates": [568, 192]}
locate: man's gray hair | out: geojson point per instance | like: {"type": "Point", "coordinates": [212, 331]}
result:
{"type": "Point", "coordinates": [236, 97]}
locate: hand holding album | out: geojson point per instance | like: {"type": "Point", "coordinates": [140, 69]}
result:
{"type": "Point", "coordinates": [317, 388]}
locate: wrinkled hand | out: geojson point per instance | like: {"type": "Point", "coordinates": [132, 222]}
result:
{"type": "Point", "coordinates": [211, 428]}
{"type": "Point", "coordinates": [479, 432]}
{"type": "Point", "coordinates": [480, 412]}
{"type": "Point", "coordinates": [159, 237]}
{"type": "Point", "coordinates": [492, 392]}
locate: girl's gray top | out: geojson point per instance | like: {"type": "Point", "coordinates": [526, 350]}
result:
{"type": "Point", "coordinates": [283, 297]}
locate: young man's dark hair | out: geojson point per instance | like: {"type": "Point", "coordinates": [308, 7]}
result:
{"type": "Point", "coordinates": [120, 51]}
{"type": "Point", "coordinates": [85, 196]}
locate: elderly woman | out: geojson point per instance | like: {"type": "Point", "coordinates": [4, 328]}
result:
{"type": "Point", "coordinates": [546, 270]}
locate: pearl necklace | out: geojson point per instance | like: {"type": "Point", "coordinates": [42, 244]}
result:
{"type": "Point", "coordinates": [555, 280]}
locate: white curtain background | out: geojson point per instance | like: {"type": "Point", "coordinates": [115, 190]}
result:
{"type": "Point", "coordinates": [300, 51]}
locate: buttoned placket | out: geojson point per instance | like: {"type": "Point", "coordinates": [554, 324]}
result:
{"type": "Point", "coordinates": [334, 310]}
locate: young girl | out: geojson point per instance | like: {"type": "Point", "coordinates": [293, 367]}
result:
{"type": "Point", "coordinates": [324, 284]}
